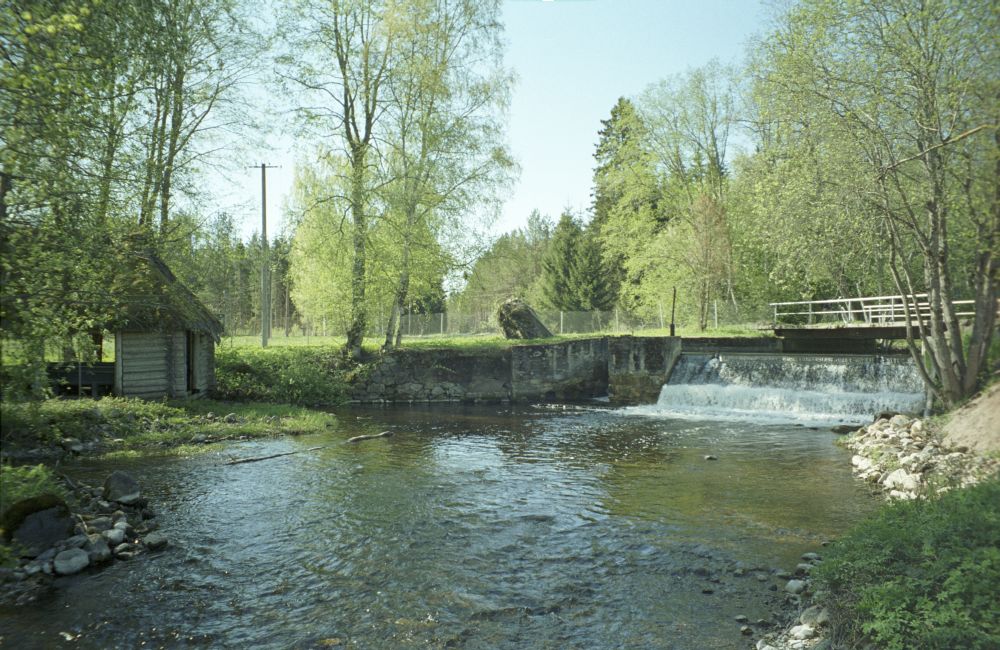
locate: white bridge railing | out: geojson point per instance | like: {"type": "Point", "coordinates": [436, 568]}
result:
{"type": "Point", "coordinates": [870, 310]}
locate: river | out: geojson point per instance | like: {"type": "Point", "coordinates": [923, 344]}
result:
{"type": "Point", "coordinates": [472, 527]}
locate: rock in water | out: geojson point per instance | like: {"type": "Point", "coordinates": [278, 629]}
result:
{"type": "Point", "coordinates": [795, 586]}
{"type": "Point", "coordinates": [97, 549]}
{"type": "Point", "coordinates": [37, 523]}
{"type": "Point", "coordinates": [72, 561]}
{"type": "Point", "coordinates": [121, 487]}
{"type": "Point", "coordinates": [155, 541]}
{"type": "Point", "coordinates": [115, 536]}
{"type": "Point", "coordinates": [518, 321]}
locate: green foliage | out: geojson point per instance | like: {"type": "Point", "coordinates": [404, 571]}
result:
{"type": "Point", "coordinates": [48, 421]}
{"type": "Point", "coordinates": [134, 424]}
{"type": "Point", "coordinates": [510, 268]}
{"type": "Point", "coordinates": [23, 482]}
{"type": "Point", "coordinates": [575, 277]}
{"type": "Point", "coordinates": [919, 574]}
{"type": "Point", "coordinates": [26, 481]}
{"type": "Point", "coordinates": [104, 110]}
{"type": "Point", "coordinates": [286, 375]}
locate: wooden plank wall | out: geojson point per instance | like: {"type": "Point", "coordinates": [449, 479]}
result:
{"type": "Point", "coordinates": [204, 363]}
{"type": "Point", "coordinates": [178, 364]}
{"type": "Point", "coordinates": [144, 364]}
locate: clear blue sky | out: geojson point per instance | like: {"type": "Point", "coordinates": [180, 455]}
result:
{"type": "Point", "coordinates": [573, 59]}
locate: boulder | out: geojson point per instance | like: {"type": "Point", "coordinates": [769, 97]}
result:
{"type": "Point", "coordinates": [71, 561]}
{"type": "Point", "coordinates": [76, 541]}
{"type": "Point", "coordinates": [121, 487]}
{"type": "Point", "coordinates": [861, 463]}
{"type": "Point", "coordinates": [518, 321]}
{"type": "Point", "coordinates": [99, 524]}
{"type": "Point", "coordinates": [97, 549]}
{"type": "Point", "coordinates": [900, 421]}
{"type": "Point", "coordinates": [154, 541]}
{"type": "Point", "coordinates": [37, 523]}
{"type": "Point", "coordinates": [901, 480]}
{"type": "Point", "coordinates": [802, 632]}
{"type": "Point", "coordinates": [114, 536]}
{"type": "Point", "coordinates": [795, 586]}
{"type": "Point", "coordinates": [814, 616]}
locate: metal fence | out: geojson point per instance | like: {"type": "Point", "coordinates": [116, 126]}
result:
{"type": "Point", "coordinates": [453, 324]}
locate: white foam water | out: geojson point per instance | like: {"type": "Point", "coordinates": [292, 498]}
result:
{"type": "Point", "coordinates": [820, 389]}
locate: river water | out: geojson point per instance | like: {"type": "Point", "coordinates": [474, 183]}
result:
{"type": "Point", "coordinates": [472, 527]}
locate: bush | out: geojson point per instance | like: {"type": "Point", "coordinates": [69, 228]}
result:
{"type": "Point", "coordinates": [23, 482]}
{"type": "Point", "coordinates": [919, 574]}
{"type": "Point", "coordinates": [288, 375]}
{"type": "Point", "coordinates": [48, 421]}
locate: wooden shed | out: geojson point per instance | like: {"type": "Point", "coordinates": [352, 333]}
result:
{"type": "Point", "coordinates": [165, 341]}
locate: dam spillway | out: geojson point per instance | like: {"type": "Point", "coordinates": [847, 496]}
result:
{"type": "Point", "coordinates": [808, 388]}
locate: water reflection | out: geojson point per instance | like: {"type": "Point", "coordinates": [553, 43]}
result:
{"type": "Point", "coordinates": [470, 527]}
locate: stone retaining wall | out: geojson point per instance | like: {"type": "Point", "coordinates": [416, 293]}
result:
{"type": "Point", "coordinates": [564, 371]}
{"type": "Point", "coordinates": [572, 370]}
{"type": "Point", "coordinates": [437, 376]}
{"type": "Point", "coordinates": [638, 366]}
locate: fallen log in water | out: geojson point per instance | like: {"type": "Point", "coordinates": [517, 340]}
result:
{"type": "Point", "coordinates": [254, 459]}
{"type": "Point", "coordinates": [384, 434]}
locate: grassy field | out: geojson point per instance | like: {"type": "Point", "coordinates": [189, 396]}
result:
{"type": "Point", "coordinates": [484, 340]}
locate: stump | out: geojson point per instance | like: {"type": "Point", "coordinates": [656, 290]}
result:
{"type": "Point", "coordinates": [518, 321]}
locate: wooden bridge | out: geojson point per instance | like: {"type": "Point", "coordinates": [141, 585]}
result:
{"type": "Point", "coordinates": [859, 319]}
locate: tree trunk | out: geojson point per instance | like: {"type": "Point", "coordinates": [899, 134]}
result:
{"type": "Point", "coordinates": [288, 324]}
{"type": "Point", "coordinates": [393, 332]}
{"type": "Point", "coordinates": [176, 123]}
{"type": "Point", "coordinates": [359, 316]}
{"type": "Point", "coordinates": [987, 277]}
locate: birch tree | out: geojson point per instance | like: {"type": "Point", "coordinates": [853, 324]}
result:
{"type": "Point", "coordinates": [445, 160]}
{"type": "Point", "coordinates": [342, 56]}
{"type": "Point", "coordinates": [911, 87]}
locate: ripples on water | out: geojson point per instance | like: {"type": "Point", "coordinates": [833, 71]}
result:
{"type": "Point", "coordinates": [477, 527]}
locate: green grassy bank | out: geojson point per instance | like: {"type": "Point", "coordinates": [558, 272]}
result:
{"type": "Point", "coordinates": [114, 425]}
{"type": "Point", "coordinates": [918, 574]}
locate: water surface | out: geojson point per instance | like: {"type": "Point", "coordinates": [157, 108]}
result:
{"type": "Point", "coordinates": [472, 527]}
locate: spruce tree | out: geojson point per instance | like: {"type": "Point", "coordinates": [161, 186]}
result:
{"type": "Point", "coordinates": [558, 265]}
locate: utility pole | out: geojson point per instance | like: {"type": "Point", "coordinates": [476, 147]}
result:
{"type": "Point", "coordinates": [265, 265]}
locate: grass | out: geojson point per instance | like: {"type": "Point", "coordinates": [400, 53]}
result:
{"type": "Point", "coordinates": [123, 424]}
{"type": "Point", "coordinates": [24, 482]}
{"type": "Point", "coordinates": [486, 341]}
{"type": "Point", "coordinates": [918, 574]}
{"type": "Point", "coordinates": [16, 485]}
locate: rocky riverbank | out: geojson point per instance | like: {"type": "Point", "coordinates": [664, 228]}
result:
{"type": "Point", "coordinates": [91, 528]}
{"type": "Point", "coordinates": [905, 458]}
{"type": "Point", "coordinates": [900, 458]}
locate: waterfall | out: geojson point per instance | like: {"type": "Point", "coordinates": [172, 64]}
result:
{"type": "Point", "coordinates": [801, 387]}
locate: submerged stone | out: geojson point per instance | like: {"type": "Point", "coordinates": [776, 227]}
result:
{"type": "Point", "coordinates": [71, 561]}
{"type": "Point", "coordinates": [155, 541]}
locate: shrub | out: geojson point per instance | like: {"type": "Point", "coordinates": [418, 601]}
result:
{"type": "Point", "coordinates": [47, 421]}
{"type": "Point", "coordinates": [288, 375]}
{"type": "Point", "coordinates": [23, 482]}
{"type": "Point", "coordinates": [919, 574]}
